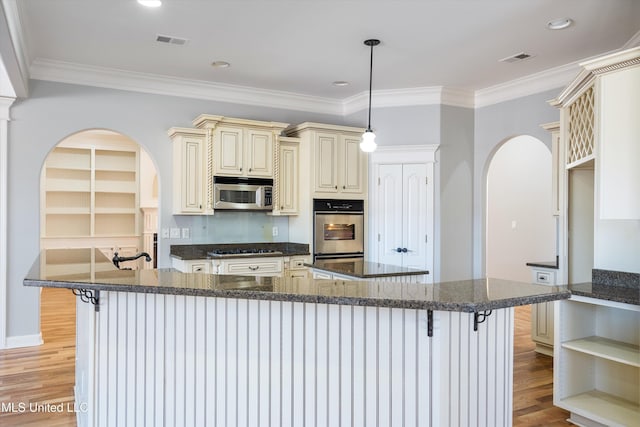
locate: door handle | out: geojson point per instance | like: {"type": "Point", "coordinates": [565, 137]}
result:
{"type": "Point", "coordinates": [398, 250]}
{"type": "Point", "coordinates": [252, 268]}
{"type": "Point", "coordinates": [404, 250]}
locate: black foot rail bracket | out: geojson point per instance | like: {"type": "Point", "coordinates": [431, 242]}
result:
{"type": "Point", "coordinates": [480, 318]}
{"type": "Point", "coordinates": [430, 323]}
{"type": "Point", "coordinates": [87, 295]}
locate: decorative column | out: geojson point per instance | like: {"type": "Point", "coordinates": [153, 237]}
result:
{"type": "Point", "coordinates": [5, 105]}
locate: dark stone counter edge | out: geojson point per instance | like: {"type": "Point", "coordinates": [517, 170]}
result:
{"type": "Point", "coordinates": [194, 257]}
{"type": "Point", "coordinates": [367, 276]}
{"type": "Point", "coordinates": [465, 307]}
{"type": "Point", "coordinates": [608, 297]}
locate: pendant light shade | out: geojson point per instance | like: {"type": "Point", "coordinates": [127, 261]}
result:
{"type": "Point", "coordinates": [368, 143]}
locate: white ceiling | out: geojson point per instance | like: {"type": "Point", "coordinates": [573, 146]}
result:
{"type": "Point", "coordinates": [303, 46]}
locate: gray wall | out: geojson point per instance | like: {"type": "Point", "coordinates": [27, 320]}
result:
{"type": "Point", "coordinates": [494, 125]}
{"type": "Point", "coordinates": [454, 197]}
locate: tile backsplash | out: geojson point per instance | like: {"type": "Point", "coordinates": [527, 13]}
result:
{"type": "Point", "coordinates": [235, 227]}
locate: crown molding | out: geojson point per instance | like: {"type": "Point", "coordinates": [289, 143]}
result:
{"type": "Point", "coordinates": [5, 106]}
{"type": "Point", "coordinates": [633, 41]}
{"type": "Point", "coordinates": [434, 95]}
{"type": "Point", "coordinates": [553, 78]}
{"type": "Point", "coordinates": [65, 72]}
{"type": "Point", "coordinates": [13, 47]}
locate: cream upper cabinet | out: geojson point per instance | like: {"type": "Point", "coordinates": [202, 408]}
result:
{"type": "Point", "coordinates": [599, 122]}
{"type": "Point", "coordinates": [326, 154]}
{"type": "Point", "coordinates": [241, 147]}
{"type": "Point", "coordinates": [288, 177]}
{"type": "Point", "coordinates": [340, 164]}
{"type": "Point", "coordinates": [336, 163]}
{"type": "Point", "coordinates": [351, 172]}
{"type": "Point", "coordinates": [228, 151]}
{"type": "Point", "coordinates": [190, 178]}
{"type": "Point", "coordinates": [259, 153]}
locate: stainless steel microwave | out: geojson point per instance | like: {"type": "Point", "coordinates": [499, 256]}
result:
{"type": "Point", "coordinates": [237, 193]}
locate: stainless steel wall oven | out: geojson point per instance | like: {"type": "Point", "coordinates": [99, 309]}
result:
{"type": "Point", "coordinates": [338, 229]}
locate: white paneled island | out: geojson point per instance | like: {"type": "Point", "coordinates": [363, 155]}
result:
{"type": "Point", "coordinates": [159, 347]}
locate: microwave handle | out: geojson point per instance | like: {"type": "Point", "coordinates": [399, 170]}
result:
{"type": "Point", "coordinates": [260, 197]}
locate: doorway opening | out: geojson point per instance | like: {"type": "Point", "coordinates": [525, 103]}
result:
{"type": "Point", "coordinates": [520, 227]}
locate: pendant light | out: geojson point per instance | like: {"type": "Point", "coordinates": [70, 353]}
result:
{"type": "Point", "coordinates": [368, 143]}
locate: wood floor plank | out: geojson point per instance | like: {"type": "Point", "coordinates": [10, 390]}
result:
{"type": "Point", "coordinates": [46, 374]}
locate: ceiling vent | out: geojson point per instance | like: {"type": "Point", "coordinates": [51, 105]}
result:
{"type": "Point", "coordinates": [171, 40]}
{"type": "Point", "coordinates": [516, 58]}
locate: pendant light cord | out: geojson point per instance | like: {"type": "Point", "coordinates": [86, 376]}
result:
{"type": "Point", "coordinates": [370, 86]}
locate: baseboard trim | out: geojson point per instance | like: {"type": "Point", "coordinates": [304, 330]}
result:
{"type": "Point", "coordinates": [24, 341]}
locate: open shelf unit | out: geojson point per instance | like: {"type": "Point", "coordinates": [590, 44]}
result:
{"type": "Point", "coordinates": [91, 189]}
{"type": "Point", "coordinates": [597, 362]}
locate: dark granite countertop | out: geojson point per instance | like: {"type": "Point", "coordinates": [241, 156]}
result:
{"type": "Point", "coordinates": [606, 292]}
{"type": "Point", "coordinates": [364, 269]}
{"type": "Point", "coordinates": [193, 252]}
{"type": "Point", "coordinates": [89, 269]}
{"type": "Point", "coordinates": [617, 286]}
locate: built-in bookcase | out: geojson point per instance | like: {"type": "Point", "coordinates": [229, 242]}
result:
{"type": "Point", "coordinates": [90, 190]}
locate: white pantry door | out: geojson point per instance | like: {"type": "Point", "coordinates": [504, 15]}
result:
{"type": "Point", "coordinates": [402, 215]}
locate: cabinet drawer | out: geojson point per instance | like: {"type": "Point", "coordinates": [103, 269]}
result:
{"type": "Point", "coordinates": [252, 267]}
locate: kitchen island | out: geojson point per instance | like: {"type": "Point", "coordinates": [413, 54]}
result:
{"type": "Point", "coordinates": [359, 269]}
{"type": "Point", "coordinates": [160, 347]}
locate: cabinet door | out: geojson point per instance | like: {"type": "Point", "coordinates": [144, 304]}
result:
{"type": "Point", "coordinates": [193, 176]}
{"type": "Point", "coordinates": [389, 211]}
{"type": "Point", "coordinates": [414, 220]}
{"type": "Point", "coordinates": [228, 151]}
{"type": "Point", "coordinates": [353, 164]}
{"type": "Point", "coordinates": [402, 212]}
{"type": "Point", "coordinates": [259, 153]}
{"type": "Point", "coordinates": [288, 184]}
{"type": "Point", "coordinates": [618, 140]}
{"type": "Point", "coordinates": [326, 163]}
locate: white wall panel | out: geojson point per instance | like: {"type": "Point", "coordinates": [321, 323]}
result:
{"type": "Point", "coordinates": [183, 360]}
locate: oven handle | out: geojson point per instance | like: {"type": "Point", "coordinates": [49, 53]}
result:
{"type": "Point", "coordinates": [340, 212]}
{"type": "Point", "coordinates": [336, 256]}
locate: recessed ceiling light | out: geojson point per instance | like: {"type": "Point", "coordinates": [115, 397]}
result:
{"type": "Point", "coordinates": [150, 3]}
{"type": "Point", "coordinates": [559, 23]}
{"type": "Point", "coordinates": [340, 83]}
{"type": "Point", "coordinates": [220, 64]}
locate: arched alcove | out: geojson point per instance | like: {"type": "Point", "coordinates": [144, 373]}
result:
{"type": "Point", "coordinates": [96, 188]}
{"type": "Point", "coordinates": [520, 227]}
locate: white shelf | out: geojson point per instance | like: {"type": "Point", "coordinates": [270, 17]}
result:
{"type": "Point", "coordinates": [69, 211]}
{"type": "Point", "coordinates": [605, 348]}
{"type": "Point", "coordinates": [604, 408]}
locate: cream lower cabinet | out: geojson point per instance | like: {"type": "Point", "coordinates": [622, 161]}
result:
{"type": "Point", "coordinates": [542, 314]}
{"type": "Point", "coordinates": [596, 365]}
{"type": "Point", "coordinates": [190, 177]}
{"type": "Point", "coordinates": [192, 266]}
{"type": "Point", "coordinates": [258, 266]}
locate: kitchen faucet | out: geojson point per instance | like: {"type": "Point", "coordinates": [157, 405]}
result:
{"type": "Point", "coordinates": [118, 259]}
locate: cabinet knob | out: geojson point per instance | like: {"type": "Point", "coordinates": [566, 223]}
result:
{"type": "Point", "coordinates": [344, 187]}
{"type": "Point", "coordinates": [252, 268]}
{"type": "Point", "coordinates": [281, 207]}
{"type": "Point", "coordinates": [336, 187]}
{"type": "Point", "coordinates": [240, 168]}
{"type": "Point", "coordinates": [398, 250]}
{"type": "Point", "coordinates": [404, 250]}
{"type": "Point", "coordinates": [249, 169]}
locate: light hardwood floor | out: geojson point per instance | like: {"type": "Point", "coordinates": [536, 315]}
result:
{"type": "Point", "coordinates": [45, 374]}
